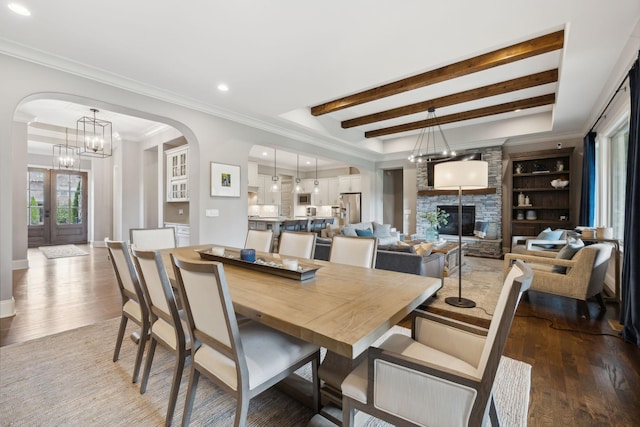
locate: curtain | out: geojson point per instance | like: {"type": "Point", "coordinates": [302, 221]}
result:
{"type": "Point", "coordinates": [588, 192]}
{"type": "Point", "coordinates": [630, 293]}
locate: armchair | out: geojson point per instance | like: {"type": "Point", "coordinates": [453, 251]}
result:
{"type": "Point", "coordinates": [583, 279]}
{"type": "Point", "coordinates": [443, 374]}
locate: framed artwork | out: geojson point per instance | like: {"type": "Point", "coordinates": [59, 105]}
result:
{"type": "Point", "coordinates": [225, 180]}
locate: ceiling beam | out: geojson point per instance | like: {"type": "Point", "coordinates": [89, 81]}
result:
{"type": "Point", "coordinates": [501, 88]}
{"type": "Point", "coordinates": [516, 52]}
{"type": "Point", "coordinates": [465, 115]}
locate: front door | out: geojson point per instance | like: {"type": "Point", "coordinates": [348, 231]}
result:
{"type": "Point", "coordinates": [57, 207]}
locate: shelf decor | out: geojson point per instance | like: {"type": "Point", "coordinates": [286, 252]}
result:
{"type": "Point", "coordinates": [225, 180]}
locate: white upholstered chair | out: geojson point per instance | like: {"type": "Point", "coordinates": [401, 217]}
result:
{"type": "Point", "coordinates": [260, 240]}
{"type": "Point", "coordinates": [134, 305]}
{"type": "Point", "coordinates": [442, 375]}
{"type": "Point", "coordinates": [243, 359]}
{"type": "Point", "coordinates": [582, 278]}
{"type": "Point", "coordinates": [167, 325]}
{"type": "Point", "coordinates": [358, 251]}
{"type": "Point", "coordinates": [153, 238]}
{"type": "Point", "coordinates": [301, 245]}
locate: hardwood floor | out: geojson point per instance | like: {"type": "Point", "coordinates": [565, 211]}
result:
{"type": "Point", "coordinates": [579, 377]}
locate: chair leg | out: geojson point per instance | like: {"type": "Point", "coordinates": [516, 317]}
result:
{"type": "Point", "coordinates": [347, 413]}
{"type": "Point", "coordinates": [582, 305]}
{"type": "Point", "coordinates": [123, 325]}
{"type": "Point", "coordinates": [147, 365]}
{"type": "Point", "coordinates": [194, 376]}
{"type": "Point", "coordinates": [242, 409]}
{"type": "Point", "coordinates": [603, 307]}
{"type": "Point", "coordinates": [175, 385]}
{"type": "Point", "coordinates": [140, 353]}
{"type": "Point", "coordinates": [316, 383]}
{"type": "Point", "coordinates": [493, 414]}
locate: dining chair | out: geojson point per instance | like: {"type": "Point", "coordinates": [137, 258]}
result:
{"type": "Point", "coordinates": [260, 240]}
{"type": "Point", "coordinates": [243, 359]}
{"type": "Point", "coordinates": [167, 324]}
{"type": "Point", "coordinates": [297, 244]}
{"type": "Point", "coordinates": [442, 374]}
{"type": "Point", "coordinates": [153, 238]}
{"type": "Point", "coordinates": [358, 251]}
{"type": "Point", "coordinates": [134, 305]}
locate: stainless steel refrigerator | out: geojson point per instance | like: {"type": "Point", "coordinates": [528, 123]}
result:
{"type": "Point", "coordinates": [350, 208]}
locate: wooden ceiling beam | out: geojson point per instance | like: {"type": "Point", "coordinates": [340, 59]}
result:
{"type": "Point", "coordinates": [501, 88]}
{"type": "Point", "coordinates": [516, 52]}
{"type": "Point", "coordinates": [466, 115]}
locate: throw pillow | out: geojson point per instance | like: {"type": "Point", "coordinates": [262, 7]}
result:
{"type": "Point", "coordinates": [381, 230]}
{"type": "Point", "coordinates": [567, 252]}
{"type": "Point", "coordinates": [424, 249]}
{"type": "Point", "coordinates": [364, 233]}
{"type": "Point", "coordinates": [480, 229]}
{"type": "Point", "coordinates": [348, 230]}
{"type": "Point", "coordinates": [401, 243]}
{"type": "Point", "coordinates": [548, 234]}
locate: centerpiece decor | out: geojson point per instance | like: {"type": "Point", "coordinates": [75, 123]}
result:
{"type": "Point", "coordinates": [435, 220]}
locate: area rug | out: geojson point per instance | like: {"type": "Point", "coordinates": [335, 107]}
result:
{"type": "Point", "coordinates": [70, 379]}
{"type": "Point", "coordinates": [62, 251]}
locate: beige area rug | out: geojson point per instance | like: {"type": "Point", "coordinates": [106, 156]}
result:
{"type": "Point", "coordinates": [70, 379]}
{"type": "Point", "coordinates": [62, 251]}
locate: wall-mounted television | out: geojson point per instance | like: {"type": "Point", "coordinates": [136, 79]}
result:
{"type": "Point", "coordinates": [459, 157]}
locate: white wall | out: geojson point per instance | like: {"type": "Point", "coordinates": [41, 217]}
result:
{"type": "Point", "coordinates": [211, 138]}
{"type": "Point", "coordinates": [20, 229]}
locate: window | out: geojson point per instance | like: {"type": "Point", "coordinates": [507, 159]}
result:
{"type": "Point", "coordinates": [35, 197]}
{"type": "Point", "coordinates": [611, 176]}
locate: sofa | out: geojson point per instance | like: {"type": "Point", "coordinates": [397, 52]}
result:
{"type": "Point", "coordinates": [396, 258]}
{"type": "Point", "coordinates": [384, 232]}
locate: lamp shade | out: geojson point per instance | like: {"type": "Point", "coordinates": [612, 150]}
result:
{"type": "Point", "coordinates": [467, 175]}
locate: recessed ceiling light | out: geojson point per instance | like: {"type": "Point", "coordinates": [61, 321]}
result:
{"type": "Point", "coordinates": [223, 87]}
{"type": "Point", "coordinates": [517, 109]}
{"type": "Point", "coordinates": [264, 153]}
{"type": "Point", "coordinates": [308, 162]}
{"type": "Point", "coordinates": [19, 9]}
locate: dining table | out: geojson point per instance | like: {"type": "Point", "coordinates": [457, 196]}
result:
{"type": "Point", "coordinates": [342, 308]}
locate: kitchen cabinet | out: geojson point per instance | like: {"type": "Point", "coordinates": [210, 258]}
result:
{"type": "Point", "coordinates": [252, 174]}
{"type": "Point", "coordinates": [177, 173]}
{"type": "Point", "coordinates": [547, 206]}
{"type": "Point", "coordinates": [350, 183]}
{"type": "Point", "coordinates": [321, 197]}
{"type": "Point", "coordinates": [265, 195]}
{"type": "Point", "coordinates": [333, 190]}
{"type": "Point", "coordinates": [183, 233]}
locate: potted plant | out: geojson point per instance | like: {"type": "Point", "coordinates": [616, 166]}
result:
{"type": "Point", "coordinates": [435, 220]}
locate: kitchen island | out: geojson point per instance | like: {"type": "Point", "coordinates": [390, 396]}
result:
{"type": "Point", "coordinates": [279, 223]}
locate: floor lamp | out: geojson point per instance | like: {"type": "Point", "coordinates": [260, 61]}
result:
{"type": "Point", "coordinates": [460, 175]}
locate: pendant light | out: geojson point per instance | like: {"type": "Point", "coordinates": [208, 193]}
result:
{"type": "Point", "coordinates": [275, 187]}
{"type": "Point", "coordinates": [297, 188]}
{"type": "Point", "coordinates": [65, 157]}
{"type": "Point", "coordinates": [316, 189]}
{"type": "Point", "coordinates": [96, 134]}
{"type": "Point", "coordinates": [429, 133]}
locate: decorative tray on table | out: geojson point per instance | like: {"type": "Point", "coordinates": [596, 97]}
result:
{"type": "Point", "coordinates": [266, 263]}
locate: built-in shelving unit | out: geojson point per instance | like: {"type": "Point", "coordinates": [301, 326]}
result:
{"type": "Point", "coordinates": [532, 174]}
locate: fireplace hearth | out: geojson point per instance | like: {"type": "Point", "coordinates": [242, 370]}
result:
{"type": "Point", "coordinates": [468, 220]}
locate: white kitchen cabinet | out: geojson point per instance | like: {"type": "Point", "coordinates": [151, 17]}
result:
{"type": "Point", "coordinates": [265, 195]}
{"type": "Point", "coordinates": [252, 174]}
{"type": "Point", "coordinates": [183, 233]}
{"type": "Point", "coordinates": [177, 171]}
{"type": "Point", "coordinates": [350, 183]}
{"type": "Point", "coordinates": [333, 188]}
{"type": "Point", "coordinates": [321, 198]}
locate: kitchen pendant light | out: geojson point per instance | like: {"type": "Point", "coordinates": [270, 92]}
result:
{"type": "Point", "coordinates": [275, 187]}
{"type": "Point", "coordinates": [316, 189]}
{"type": "Point", "coordinates": [298, 187]}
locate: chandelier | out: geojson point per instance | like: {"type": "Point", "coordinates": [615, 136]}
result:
{"type": "Point", "coordinates": [65, 157]}
{"type": "Point", "coordinates": [96, 134]}
{"type": "Point", "coordinates": [427, 137]}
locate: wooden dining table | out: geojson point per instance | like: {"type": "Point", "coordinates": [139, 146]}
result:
{"type": "Point", "coordinates": [343, 308]}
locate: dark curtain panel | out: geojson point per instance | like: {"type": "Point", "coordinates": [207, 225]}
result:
{"type": "Point", "coordinates": [588, 193]}
{"type": "Point", "coordinates": [630, 308]}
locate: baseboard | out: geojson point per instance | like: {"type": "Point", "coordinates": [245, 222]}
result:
{"type": "Point", "coordinates": [20, 264]}
{"type": "Point", "coordinates": [7, 308]}
{"type": "Point", "coordinates": [98, 244]}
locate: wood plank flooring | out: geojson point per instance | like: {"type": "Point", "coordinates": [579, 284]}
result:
{"type": "Point", "coordinates": [578, 378]}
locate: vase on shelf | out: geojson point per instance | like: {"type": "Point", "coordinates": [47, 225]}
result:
{"type": "Point", "coordinates": [431, 233]}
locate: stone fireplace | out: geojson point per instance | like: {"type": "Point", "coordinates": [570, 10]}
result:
{"type": "Point", "coordinates": [487, 205]}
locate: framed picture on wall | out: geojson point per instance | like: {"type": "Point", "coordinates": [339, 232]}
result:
{"type": "Point", "coordinates": [225, 180]}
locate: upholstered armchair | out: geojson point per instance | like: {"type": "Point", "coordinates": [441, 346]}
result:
{"type": "Point", "coordinates": [582, 278]}
{"type": "Point", "coordinates": [442, 375]}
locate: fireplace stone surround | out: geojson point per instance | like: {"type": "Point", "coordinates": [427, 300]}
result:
{"type": "Point", "coordinates": [488, 207]}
